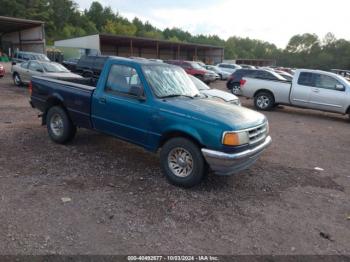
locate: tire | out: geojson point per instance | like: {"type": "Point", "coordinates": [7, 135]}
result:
{"type": "Point", "coordinates": [174, 166]}
{"type": "Point", "coordinates": [17, 79]}
{"type": "Point", "coordinates": [221, 78]}
{"type": "Point", "coordinates": [87, 74]}
{"type": "Point", "coordinates": [264, 101]}
{"type": "Point", "coordinates": [59, 126]}
{"type": "Point", "coordinates": [236, 90]}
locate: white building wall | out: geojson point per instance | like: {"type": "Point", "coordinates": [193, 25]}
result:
{"type": "Point", "coordinates": [85, 42]}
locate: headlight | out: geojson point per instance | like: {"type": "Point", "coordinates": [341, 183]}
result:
{"type": "Point", "coordinates": [236, 102]}
{"type": "Point", "coordinates": [235, 138]}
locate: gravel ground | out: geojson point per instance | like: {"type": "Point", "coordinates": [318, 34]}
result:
{"type": "Point", "coordinates": [99, 195]}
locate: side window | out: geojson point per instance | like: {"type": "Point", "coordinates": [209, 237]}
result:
{"type": "Point", "coordinates": [263, 75]}
{"type": "Point", "coordinates": [34, 66]}
{"type": "Point", "coordinates": [25, 57]}
{"type": "Point", "coordinates": [24, 65]}
{"type": "Point", "coordinates": [121, 78]}
{"type": "Point", "coordinates": [250, 73]}
{"type": "Point", "coordinates": [327, 82]}
{"type": "Point", "coordinates": [306, 79]}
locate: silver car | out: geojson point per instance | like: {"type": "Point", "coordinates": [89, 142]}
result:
{"type": "Point", "coordinates": [206, 90]}
{"type": "Point", "coordinates": [22, 73]}
{"type": "Point", "coordinates": [230, 68]}
{"type": "Point", "coordinates": [222, 74]}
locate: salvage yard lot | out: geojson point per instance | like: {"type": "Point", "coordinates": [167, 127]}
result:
{"type": "Point", "coordinates": [118, 202]}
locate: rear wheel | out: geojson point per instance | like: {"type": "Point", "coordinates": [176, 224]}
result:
{"type": "Point", "coordinates": [264, 101]}
{"type": "Point", "coordinates": [182, 162]}
{"type": "Point", "coordinates": [59, 126]}
{"type": "Point", "coordinates": [236, 90]}
{"type": "Point", "coordinates": [17, 79]}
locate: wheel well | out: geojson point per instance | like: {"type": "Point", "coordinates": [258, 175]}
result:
{"type": "Point", "coordinates": [52, 101]}
{"type": "Point", "coordinates": [14, 73]}
{"type": "Point", "coordinates": [263, 90]}
{"type": "Point", "coordinates": [174, 134]}
{"type": "Point", "coordinates": [348, 111]}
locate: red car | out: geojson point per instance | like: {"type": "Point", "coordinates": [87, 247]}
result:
{"type": "Point", "coordinates": [193, 68]}
{"type": "Point", "coordinates": [2, 70]}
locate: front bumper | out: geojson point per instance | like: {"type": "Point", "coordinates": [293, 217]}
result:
{"type": "Point", "coordinates": [227, 164]}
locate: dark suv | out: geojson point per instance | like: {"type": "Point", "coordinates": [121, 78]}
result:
{"type": "Point", "coordinates": [193, 68]}
{"type": "Point", "coordinates": [234, 81]}
{"type": "Point", "coordinates": [90, 66]}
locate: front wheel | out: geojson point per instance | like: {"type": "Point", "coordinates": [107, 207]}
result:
{"type": "Point", "coordinates": [182, 162]}
{"type": "Point", "coordinates": [59, 126]}
{"type": "Point", "coordinates": [17, 79]}
{"type": "Point", "coordinates": [264, 101]}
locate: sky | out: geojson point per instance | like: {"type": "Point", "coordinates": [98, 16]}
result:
{"type": "Point", "coordinates": [275, 21]}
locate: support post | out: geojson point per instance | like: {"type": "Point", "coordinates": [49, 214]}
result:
{"type": "Point", "coordinates": [157, 46]}
{"type": "Point", "coordinates": [131, 48]}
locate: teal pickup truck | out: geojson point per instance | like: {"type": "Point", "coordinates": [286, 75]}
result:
{"type": "Point", "coordinates": [156, 106]}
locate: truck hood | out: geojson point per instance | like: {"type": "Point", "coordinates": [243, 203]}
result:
{"type": "Point", "coordinates": [213, 112]}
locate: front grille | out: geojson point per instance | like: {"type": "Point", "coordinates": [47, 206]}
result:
{"type": "Point", "coordinates": [257, 134]}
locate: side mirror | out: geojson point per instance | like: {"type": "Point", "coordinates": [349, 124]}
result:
{"type": "Point", "coordinates": [13, 63]}
{"type": "Point", "coordinates": [339, 87]}
{"type": "Point", "coordinates": [137, 91]}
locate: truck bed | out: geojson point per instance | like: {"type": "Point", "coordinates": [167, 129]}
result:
{"type": "Point", "coordinates": [280, 89]}
{"type": "Point", "coordinates": [75, 94]}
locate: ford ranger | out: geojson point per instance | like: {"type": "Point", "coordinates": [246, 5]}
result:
{"type": "Point", "coordinates": [156, 106]}
{"type": "Point", "coordinates": [312, 89]}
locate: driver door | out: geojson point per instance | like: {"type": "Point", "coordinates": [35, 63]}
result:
{"type": "Point", "coordinates": [325, 95]}
{"type": "Point", "coordinates": [118, 112]}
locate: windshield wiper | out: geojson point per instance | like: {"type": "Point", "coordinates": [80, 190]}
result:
{"type": "Point", "coordinates": [177, 95]}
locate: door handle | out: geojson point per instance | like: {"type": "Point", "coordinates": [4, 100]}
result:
{"type": "Point", "coordinates": [316, 90]}
{"type": "Point", "coordinates": [102, 100]}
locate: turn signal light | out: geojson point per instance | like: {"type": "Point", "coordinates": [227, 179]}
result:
{"type": "Point", "coordinates": [235, 138]}
{"type": "Point", "coordinates": [231, 139]}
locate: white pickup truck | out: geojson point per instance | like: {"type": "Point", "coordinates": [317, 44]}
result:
{"type": "Point", "coordinates": [312, 89]}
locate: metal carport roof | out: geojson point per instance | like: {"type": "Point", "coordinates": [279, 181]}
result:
{"type": "Point", "coordinates": [11, 24]}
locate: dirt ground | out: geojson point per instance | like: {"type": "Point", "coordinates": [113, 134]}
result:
{"type": "Point", "coordinates": [120, 203]}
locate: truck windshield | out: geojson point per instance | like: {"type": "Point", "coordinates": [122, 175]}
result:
{"type": "Point", "coordinates": [169, 81]}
